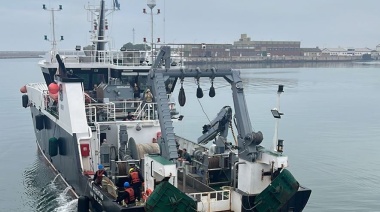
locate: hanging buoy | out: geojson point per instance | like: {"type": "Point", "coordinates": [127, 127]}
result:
{"type": "Point", "coordinates": [25, 100]}
{"type": "Point", "coordinates": [23, 89]}
{"type": "Point", "coordinates": [53, 88]}
{"type": "Point", "coordinates": [181, 97]}
{"type": "Point", "coordinates": [62, 146]}
{"type": "Point", "coordinates": [53, 147]}
{"type": "Point", "coordinates": [199, 92]}
{"type": "Point", "coordinates": [211, 93]}
{"type": "Point", "coordinates": [83, 204]}
{"type": "Point", "coordinates": [39, 122]}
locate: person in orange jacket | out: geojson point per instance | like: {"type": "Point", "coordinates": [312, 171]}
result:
{"type": "Point", "coordinates": [137, 181]}
{"type": "Point", "coordinates": [128, 196]}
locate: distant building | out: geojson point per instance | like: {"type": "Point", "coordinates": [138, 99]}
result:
{"type": "Point", "coordinates": [346, 52]}
{"type": "Point", "coordinates": [311, 52]}
{"type": "Point", "coordinates": [334, 51]}
{"type": "Point", "coordinates": [360, 51]}
{"type": "Point", "coordinates": [274, 48]}
{"type": "Point", "coordinates": [378, 48]}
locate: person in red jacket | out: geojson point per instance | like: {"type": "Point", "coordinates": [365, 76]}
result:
{"type": "Point", "coordinates": [98, 176]}
{"type": "Point", "coordinates": [128, 196]}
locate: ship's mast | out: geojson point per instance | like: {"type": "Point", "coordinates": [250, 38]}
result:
{"type": "Point", "coordinates": [100, 25]}
{"type": "Point", "coordinates": [100, 45]}
{"type": "Point", "coordinates": [53, 41]}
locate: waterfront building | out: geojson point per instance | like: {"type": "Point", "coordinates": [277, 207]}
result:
{"type": "Point", "coordinates": [346, 52]}
{"type": "Point", "coordinates": [274, 48]}
{"type": "Point", "coordinates": [244, 47]}
{"type": "Point", "coordinates": [311, 52]}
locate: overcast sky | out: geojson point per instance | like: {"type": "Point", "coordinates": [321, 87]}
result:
{"type": "Point", "coordinates": [323, 23]}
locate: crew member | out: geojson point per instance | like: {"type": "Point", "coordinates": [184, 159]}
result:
{"type": "Point", "coordinates": [129, 117]}
{"type": "Point", "coordinates": [128, 196]}
{"type": "Point", "coordinates": [136, 180]}
{"type": "Point", "coordinates": [98, 176]}
{"type": "Point", "coordinates": [186, 156]}
{"type": "Point", "coordinates": [136, 92]}
{"type": "Point", "coordinates": [148, 97]}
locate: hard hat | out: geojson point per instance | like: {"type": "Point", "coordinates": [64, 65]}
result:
{"type": "Point", "coordinates": [148, 90]}
{"type": "Point", "coordinates": [100, 166]}
{"type": "Point", "coordinates": [130, 170]}
{"type": "Point", "coordinates": [126, 185]}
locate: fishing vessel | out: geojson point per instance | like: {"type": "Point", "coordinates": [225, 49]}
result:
{"type": "Point", "coordinates": [80, 120]}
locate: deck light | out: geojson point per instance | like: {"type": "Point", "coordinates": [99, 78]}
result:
{"type": "Point", "coordinates": [276, 114]}
{"type": "Point", "coordinates": [280, 89]}
{"type": "Point", "coordinates": [280, 145]}
{"type": "Point", "coordinates": [77, 48]}
{"type": "Point", "coordinates": [123, 49]}
{"type": "Point", "coordinates": [44, 7]}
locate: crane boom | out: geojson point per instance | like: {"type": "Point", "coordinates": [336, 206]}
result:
{"type": "Point", "coordinates": [248, 140]}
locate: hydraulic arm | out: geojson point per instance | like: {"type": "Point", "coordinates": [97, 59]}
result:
{"type": "Point", "coordinates": [248, 140]}
{"type": "Point", "coordinates": [219, 126]}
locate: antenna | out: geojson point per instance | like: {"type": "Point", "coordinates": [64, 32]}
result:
{"type": "Point", "coordinates": [133, 33]}
{"type": "Point", "coordinates": [99, 23]}
{"type": "Point", "coordinates": [53, 41]}
{"type": "Point", "coordinates": [164, 20]}
{"type": "Point", "coordinates": [277, 144]}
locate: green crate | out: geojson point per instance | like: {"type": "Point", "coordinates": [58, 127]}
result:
{"type": "Point", "coordinates": [278, 193]}
{"type": "Point", "coordinates": [167, 198]}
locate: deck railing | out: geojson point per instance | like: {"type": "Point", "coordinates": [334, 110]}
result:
{"type": "Point", "coordinates": [119, 110]}
{"type": "Point", "coordinates": [119, 58]}
{"type": "Point", "coordinates": [213, 201]}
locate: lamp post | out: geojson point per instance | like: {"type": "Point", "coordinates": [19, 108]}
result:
{"type": "Point", "coordinates": [277, 144]}
{"type": "Point", "coordinates": [151, 4]}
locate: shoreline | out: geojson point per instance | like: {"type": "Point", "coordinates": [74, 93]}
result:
{"type": "Point", "coordinates": [253, 62]}
{"type": "Point", "coordinates": [21, 54]}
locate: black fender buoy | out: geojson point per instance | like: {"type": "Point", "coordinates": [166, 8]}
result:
{"type": "Point", "coordinates": [181, 97]}
{"type": "Point", "coordinates": [62, 146]}
{"type": "Point", "coordinates": [83, 204]}
{"type": "Point", "coordinates": [25, 100]}
{"type": "Point", "coordinates": [211, 93]}
{"type": "Point", "coordinates": [199, 92]}
{"type": "Point", "coordinates": [39, 122]}
{"type": "Point", "coordinates": [53, 147]}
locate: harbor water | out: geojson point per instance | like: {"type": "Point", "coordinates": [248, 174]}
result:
{"type": "Point", "coordinates": [330, 128]}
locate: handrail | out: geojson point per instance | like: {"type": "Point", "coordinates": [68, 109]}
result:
{"type": "Point", "coordinates": [213, 200]}
{"type": "Point", "coordinates": [115, 57]}
{"type": "Point", "coordinates": [225, 195]}
{"type": "Point", "coordinates": [120, 109]}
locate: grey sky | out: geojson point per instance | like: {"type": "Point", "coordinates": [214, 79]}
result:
{"type": "Point", "coordinates": [323, 23]}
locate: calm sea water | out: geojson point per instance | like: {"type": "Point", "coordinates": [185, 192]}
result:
{"type": "Point", "coordinates": [331, 130]}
